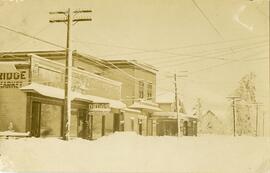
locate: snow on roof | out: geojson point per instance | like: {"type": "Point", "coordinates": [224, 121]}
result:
{"type": "Point", "coordinates": [173, 114]}
{"type": "Point", "coordinates": [131, 110]}
{"type": "Point", "coordinates": [142, 105]}
{"type": "Point", "coordinates": [44, 90]}
{"type": "Point", "coordinates": [59, 93]}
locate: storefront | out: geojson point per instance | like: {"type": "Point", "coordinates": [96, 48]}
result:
{"type": "Point", "coordinates": [144, 123]}
{"type": "Point", "coordinates": [31, 97]}
{"type": "Point", "coordinates": [165, 124]}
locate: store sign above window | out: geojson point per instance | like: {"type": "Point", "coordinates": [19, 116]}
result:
{"type": "Point", "coordinates": [99, 107]}
{"type": "Point", "coordinates": [13, 79]}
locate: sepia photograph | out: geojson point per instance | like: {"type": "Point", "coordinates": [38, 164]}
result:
{"type": "Point", "coordinates": [134, 86]}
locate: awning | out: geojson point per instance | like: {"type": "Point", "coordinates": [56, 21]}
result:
{"type": "Point", "coordinates": [132, 110]}
{"type": "Point", "coordinates": [50, 91]}
{"type": "Point", "coordinates": [140, 105]}
{"type": "Point", "coordinates": [117, 104]}
{"type": "Point", "coordinates": [44, 90]}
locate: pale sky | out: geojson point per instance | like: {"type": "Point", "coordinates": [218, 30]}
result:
{"type": "Point", "coordinates": [217, 48]}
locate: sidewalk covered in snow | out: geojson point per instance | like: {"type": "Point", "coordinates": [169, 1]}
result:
{"type": "Point", "coordinates": [128, 152]}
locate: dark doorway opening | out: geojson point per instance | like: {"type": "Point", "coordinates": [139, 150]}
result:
{"type": "Point", "coordinates": [35, 121]}
{"type": "Point", "coordinates": [140, 126]}
{"type": "Point", "coordinates": [103, 126]}
{"type": "Point", "coordinates": [116, 122]}
{"type": "Point", "coordinates": [83, 124]}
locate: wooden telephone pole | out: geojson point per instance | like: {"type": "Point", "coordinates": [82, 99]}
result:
{"type": "Point", "coordinates": [257, 104]}
{"type": "Point", "coordinates": [234, 99]}
{"type": "Point", "coordinates": [69, 17]}
{"type": "Point", "coordinates": [176, 102]}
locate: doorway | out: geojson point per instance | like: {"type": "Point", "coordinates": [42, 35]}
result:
{"type": "Point", "coordinates": [35, 121]}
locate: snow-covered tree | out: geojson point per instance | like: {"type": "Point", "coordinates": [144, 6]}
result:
{"type": "Point", "coordinates": [244, 110]}
{"type": "Point", "coordinates": [181, 107]}
{"type": "Point", "coordinates": [197, 109]}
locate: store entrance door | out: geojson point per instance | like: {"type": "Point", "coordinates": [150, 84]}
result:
{"type": "Point", "coordinates": [83, 124]}
{"type": "Point", "coordinates": [35, 121]}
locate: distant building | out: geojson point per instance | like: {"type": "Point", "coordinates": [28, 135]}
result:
{"type": "Point", "coordinates": [209, 123]}
{"type": "Point", "coordinates": [165, 122]}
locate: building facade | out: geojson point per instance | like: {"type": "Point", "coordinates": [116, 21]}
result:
{"type": "Point", "coordinates": [107, 96]}
{"type": "Point", "coordinates": [32, 93]}
{"type": "Point", "coordinates": [138, 92]}
{"type": "Point", "coordinates": [165, 123]}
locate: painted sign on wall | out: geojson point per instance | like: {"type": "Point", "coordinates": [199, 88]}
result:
{"type": "Point", "coordinates": [13, 79]}
{"type": "Point", "coordinates": [103, 107]}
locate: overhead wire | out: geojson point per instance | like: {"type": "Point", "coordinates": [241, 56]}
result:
{"type": "Point", "coordinates": [168, 63]}
{"type": "Point", "coordinates": [30, 36]}
{"type": "Point", "coordinates": [22, 43]}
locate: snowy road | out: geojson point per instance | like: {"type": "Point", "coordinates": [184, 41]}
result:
{"type": "Point", "coordinates": [126, 152]}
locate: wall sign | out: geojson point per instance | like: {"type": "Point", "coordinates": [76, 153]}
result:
{"type": "Point", "coordinates": [103, 107]}
{"type": "Point", "coordinates": [13, 79]}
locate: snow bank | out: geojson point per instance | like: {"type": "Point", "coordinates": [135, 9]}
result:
{"type": "Point", "coordinates": [128, 152]}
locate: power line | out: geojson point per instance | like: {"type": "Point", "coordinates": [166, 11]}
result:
{"type": "Point", "coordinates": [198, 59]}
{"type": "Point", "coordinates": [30, 36]}
{"type": "Point", "coordinates": [208, 20]}
{"type": "Point", "coordinates": [122, 71]}
{"type": "Point", "coordinates": [218, 65]}
{"type": "Point", "coordinates": [176, 55]}
{"type": "Point", "coordinates": [35, 34]}
{"type": "Point", "coordinates": [143, 51]}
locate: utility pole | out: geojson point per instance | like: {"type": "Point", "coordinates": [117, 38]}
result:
{"type": "Point", "coordinates": [176, 102]}
{"type": "Point", "coordinates": [69, 18]}
{"type": "Point", "coordinates": [234, 99]}
{"type": "Point", "coordinates": [257, 104]}
{"type": "Point", "coordinates": [263, 125]}
{"type": "Point", "coordinates": [176, 106]}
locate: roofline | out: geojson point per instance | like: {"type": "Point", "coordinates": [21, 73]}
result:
{"type": "Point", "coordinates": [53, 52]}
{"type": "Point", "coordinates": [136, 63]}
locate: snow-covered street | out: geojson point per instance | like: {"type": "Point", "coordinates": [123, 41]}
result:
{"type": "Point", "coordinates": [128, 152]}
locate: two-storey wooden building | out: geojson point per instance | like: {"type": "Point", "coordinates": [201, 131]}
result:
{"type": "Point", "coordinates": [32, 93]}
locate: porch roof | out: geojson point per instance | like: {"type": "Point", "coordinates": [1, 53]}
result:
{"type": "Point", "coordinates": [58, 93]}
{"type": "Point", "coordinates": [173, 115]}
{"type": "Point", "coordinates": [142, 105]}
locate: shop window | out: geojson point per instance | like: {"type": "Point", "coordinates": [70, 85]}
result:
{"type": "Point", "coordinates": [141, 89]}
{"type": "Point", "coordinates": [149, 91]}
{"type": "Point", "coordinates": [51, 119]}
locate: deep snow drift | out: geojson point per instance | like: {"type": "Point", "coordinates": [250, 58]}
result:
{"type": "Point", "coordinates": [128, 152]}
